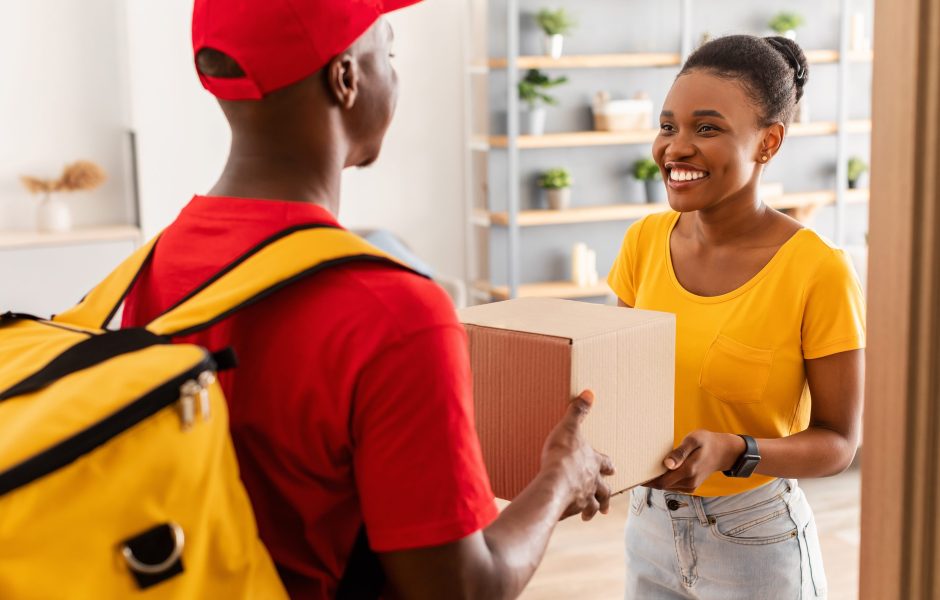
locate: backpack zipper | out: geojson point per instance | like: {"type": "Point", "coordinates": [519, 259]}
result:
{"type": "Point", "coordinates": [69, 450]}
{"type": "Point", "coordinates": [191, 392]}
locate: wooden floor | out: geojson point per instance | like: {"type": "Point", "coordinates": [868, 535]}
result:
{"type": "Point", "coordinates": [585, 560]}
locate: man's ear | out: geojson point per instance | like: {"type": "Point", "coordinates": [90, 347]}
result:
{"type": "Point", "coordinates": [342, 80]}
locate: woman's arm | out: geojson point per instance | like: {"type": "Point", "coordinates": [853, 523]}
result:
{"type": "Point", "coordinates": [825, 448]}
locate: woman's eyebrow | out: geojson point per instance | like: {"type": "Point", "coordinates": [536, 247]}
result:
{"type": "Point", "coordinates": [668, 114]}
{"type": "Point", "coordinates": [708, 113]}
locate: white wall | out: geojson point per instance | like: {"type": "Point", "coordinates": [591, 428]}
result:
{"type": "Point", "coordinates": [182, 137]}
{"type": "Point", "coordinates": [62, 98]}
{"type": "Point", "coordinates": [415, 189]}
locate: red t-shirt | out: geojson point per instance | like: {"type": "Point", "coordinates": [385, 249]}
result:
{"type": "Point", "coordinates": [352, 401]}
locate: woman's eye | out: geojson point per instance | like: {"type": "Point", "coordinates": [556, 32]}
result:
{"type": "Point", "coordinates": [707, 129]}
{"type": "Point", "coordinates": [666, 127]}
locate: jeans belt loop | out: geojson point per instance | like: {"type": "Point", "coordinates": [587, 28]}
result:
{"type": "Point", "coordinates": [699, 507]}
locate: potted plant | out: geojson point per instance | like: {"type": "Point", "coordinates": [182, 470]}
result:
{"type": "Point", "coordinates": [555, 24]}
{"type": "Point", "coordinates": [54, 214]}
{"type": "Point", "coordinates": [786, 23]}
{"type": "Point", "coordinates": [647, 171]}
{"type": "Point", "coordinates": [531, 91]}
{"type": "Point", "coordinates": [557, 183]}
{"type": "Point", "coordinates": [857, 168]}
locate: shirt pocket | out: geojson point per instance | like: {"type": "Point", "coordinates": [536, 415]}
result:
{"type": "Point", "coordinates": [734, 372]}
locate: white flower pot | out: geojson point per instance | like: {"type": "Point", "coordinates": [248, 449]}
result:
{"type": "Point", "coordinates": [553, 45]}
{"type": "Point", "coordinates": [655, 191]}
{"type": "Point", "coordinates": [790, 34]}
{"type": "Point", "coordinates": [534, 121]}
{"type": "Point", "coordinates": [559, 199]}
{"type": "Point", "coordinates": [53, 215]}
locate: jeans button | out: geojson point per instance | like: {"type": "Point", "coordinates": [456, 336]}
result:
{"type": "Point", "coordinates": [672, 504]}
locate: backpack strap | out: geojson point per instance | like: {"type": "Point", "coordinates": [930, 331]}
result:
{"type": "Point", "coordinates": [272, 265]}
{"type": "Point", "coordinates": [97, 308]}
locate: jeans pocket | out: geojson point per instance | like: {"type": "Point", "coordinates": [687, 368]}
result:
{"type": "Point", "coordinates": [813, 562]}
{"type": "Point", "coordinates": [768, 522]}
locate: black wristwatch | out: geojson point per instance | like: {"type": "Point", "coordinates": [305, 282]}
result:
{"type": "Point", "coordinates": [748, 461]}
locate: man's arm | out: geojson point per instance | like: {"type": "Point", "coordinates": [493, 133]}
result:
{"type": "Point", "coordinates": [498, 562]}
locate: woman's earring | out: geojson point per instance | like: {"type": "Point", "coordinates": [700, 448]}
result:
{"type": "Point", "coordinates": [764, 158]}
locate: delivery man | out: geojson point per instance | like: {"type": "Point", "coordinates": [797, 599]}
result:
{"type": "Point", "coordinates": [351, 410]}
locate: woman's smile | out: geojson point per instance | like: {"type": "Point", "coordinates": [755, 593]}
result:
{"type": "Point", "coordinates": [682, 176]}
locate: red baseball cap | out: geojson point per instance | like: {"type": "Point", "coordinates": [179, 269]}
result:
{"type": "Point", "coordinates": [279, 42]}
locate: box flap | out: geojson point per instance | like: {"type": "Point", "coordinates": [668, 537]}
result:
{"type": "Point", "coordinates": [557, 318]}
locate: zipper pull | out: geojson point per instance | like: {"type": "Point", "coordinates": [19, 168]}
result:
{"type": "Point", "coordinates": [206, 379]}
{"type": "Point", "coordinates": [187, 403]}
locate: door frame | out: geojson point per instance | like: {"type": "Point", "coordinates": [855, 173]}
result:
{"type": "Point", "coordinates": [900, 544]}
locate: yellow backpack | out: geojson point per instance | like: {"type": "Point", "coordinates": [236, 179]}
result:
{"type": "Point", "coordinates": [118, 477]}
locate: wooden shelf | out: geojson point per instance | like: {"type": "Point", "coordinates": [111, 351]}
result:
{"type": "Point", "coordinates": [817, 128]}
{"type": "Point", "coordinates": [817, 57]}
{"type": "Point", "coordinates": [858, 196]}
{"type": "Point", "coordinates": [575, 139]}
{"type": "Point", "coordinates": [632, 212]}
{"type": "Point", "coordinates": [822, 57]}
{"type": "Point", "coordinates": [802, 199]}
{"type": "Point", "coordinates": [580, 139]}
{"type": "Point", "coordinates": [641, 60]}
{"type": "Point", "coordinates": [547, 289]}
{"type": "Point", "coordinates": [858, 126]}
{"type": "Point", "coordinates": [581, 214]}
{"type": "Point", "coordinates": [592, 61]}
{"type": "Point", "coordinates": [89, 235]}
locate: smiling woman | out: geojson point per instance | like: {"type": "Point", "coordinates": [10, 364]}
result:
{"type": "Point", "coordinates": [770, 327]}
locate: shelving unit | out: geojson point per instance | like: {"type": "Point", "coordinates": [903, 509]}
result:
{"type": "Point", "coordinates": [513, 219]}
{"type": "Point", "coordinates": [31, 239]}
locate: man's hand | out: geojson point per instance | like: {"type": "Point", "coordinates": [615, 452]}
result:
{"type": "Point", "coordinates": [699, 455]}
{"type": "Point", "coordinates": [575, 460]}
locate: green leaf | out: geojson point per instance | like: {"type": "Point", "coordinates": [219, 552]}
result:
{"type": "Point", "coordinates": [555, 22]}
{"type": "Point", "coordinates": [557, 178]}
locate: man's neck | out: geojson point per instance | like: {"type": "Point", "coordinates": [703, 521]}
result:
{"type": "Point", "coordinates": [271, 169]}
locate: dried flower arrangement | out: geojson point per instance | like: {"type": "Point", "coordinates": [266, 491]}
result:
{"type": "Point", "coordinates": [80, 175]}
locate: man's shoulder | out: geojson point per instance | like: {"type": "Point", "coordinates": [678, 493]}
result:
{"type": "Point", "coordinates": [392, 299]}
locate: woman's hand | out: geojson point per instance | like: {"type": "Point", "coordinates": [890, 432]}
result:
{"type": "Point", "coordinates": [699, 455]}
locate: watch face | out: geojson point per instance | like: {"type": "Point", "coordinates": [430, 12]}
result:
{"type": "Point", "coordinates": [747, 467]}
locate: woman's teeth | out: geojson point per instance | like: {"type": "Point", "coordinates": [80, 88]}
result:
{"type": "Point", "coordinates": [686, 175]}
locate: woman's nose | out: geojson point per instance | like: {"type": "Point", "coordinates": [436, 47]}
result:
{"type": "Point", "coordinates": [679, 146]}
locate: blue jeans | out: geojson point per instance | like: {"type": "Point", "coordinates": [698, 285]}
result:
{"type": "Point", "coordinates": [758, 545]}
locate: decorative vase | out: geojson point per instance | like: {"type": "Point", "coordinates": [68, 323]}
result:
{"type": "Point", "coordinates": [53, 215]}
{"type": "Point", "coordinates": [584, 265]}
{"type": "Point", "coordinates": [559, 199]}
{"type": "Point", "coordinates": [635, 192]}
{"type": "Point", "coordinates": [553, 45]}
{"type": "Point", "coordinates": [853, 184]}
{"type": "Point", "coordinates": [655, 191]}
{"type": "Point", "coordinates": [790, 34]}
{"type": "Point", "coordinates": [535, 121]}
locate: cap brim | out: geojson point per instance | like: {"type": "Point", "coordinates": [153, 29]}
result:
{"type": "Point", "coordinates": [393, 5]}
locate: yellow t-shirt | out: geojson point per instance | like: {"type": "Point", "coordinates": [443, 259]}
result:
{"type": "Point", "coordinates": [739, 356]}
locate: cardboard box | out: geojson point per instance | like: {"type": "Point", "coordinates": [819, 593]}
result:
{"type": "Point", "coordinates": [531, 356]}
